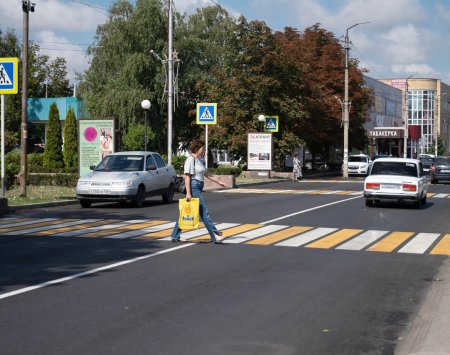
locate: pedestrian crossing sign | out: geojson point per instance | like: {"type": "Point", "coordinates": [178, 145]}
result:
{"type": "Point", "coordinates": [9, 75]}
{"type": "Point", "coordinates": [271, 124]}
{"type": "Point", "coordinates": [206, 113]}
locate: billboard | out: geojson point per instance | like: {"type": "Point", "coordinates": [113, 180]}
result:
{"type": "Point", "coordinates": [259, 151]}
{"type": "Point", "coordinates": [96, 140]}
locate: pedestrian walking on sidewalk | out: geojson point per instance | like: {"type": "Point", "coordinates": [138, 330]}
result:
{"type": "Point", "coordinates": [297, 168]}
{"type": "Point", "coordinates": [194, 177]}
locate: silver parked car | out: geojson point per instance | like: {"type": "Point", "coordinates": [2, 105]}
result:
{"type": "Point", "coordinates": [127, 177]}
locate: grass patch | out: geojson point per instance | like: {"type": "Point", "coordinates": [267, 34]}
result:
{"type": "Point", "coordinates": [39, 194]}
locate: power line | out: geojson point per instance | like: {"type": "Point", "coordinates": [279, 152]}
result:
{"type": "Point", "coordinates": [89, 5]}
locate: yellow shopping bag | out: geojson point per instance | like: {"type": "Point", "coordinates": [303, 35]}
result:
{"type": "Point", "coordinates": [189, 214]}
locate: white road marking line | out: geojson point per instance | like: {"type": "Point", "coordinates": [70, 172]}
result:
{"type": "Point", "coordinates": [90, 272]}
{"type": "Point", "coordinates": [99, 228]}
{"type": "Point", "coordinates": [135, 233]}
{"type": "Point", "coordinates": [363, 240]}
{"type": "Point", "coordinates": [44, 228]}
{"type": "Point", "coordinates": [309, 210]}
{"type": "Point", "coordinates": [202, 231]}
{"type": "Point", "coordinates": [306, 237]}
{"type": "Point", "coordinates": [253, 234]}
{"type": "Point", "coordinates": [440, 196]}
{"type": "Point", "coordinates": [420, 243]}
{"type": "Point", "coordinates": [25, 223]}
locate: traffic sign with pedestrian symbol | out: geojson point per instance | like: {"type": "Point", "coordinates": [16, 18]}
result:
{"type": "Point", "coordinates": [9, 73]}
{"type": "Point", "coordinates": [271, 124]}
{"type": "Point", "coordinates": [206, 113]}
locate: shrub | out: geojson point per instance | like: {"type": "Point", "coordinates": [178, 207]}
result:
{"type": "Point", "coordinates": [226, 170]}
{"type": "Point", "coordinates": [12, 168]}
{"type": "Point", "coordinates": [35, 161]}
{"type": "Point", "coordinates": [178, 163]}
{"type": "Point", "coordinates": [52, 179]}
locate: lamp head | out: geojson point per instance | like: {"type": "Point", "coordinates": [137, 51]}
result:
{"type": "Point", "coordinates": [146, 104]}
{"type": "Point", "coordinates": [261, 118]}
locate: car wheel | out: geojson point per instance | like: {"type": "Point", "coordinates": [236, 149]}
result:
{"type": "Point", "coordinates": [168, 196]}
{"type": "Point", "coordinates": [85, 203]}
{"type": "Point", "coordinates": [140, 197]}
{"type": "Point", "coordinates": [424, 200]}
{"type": "Point", "coordinates": [369, 203]}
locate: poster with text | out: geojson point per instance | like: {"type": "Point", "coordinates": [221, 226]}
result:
{"type": "Point", "coordinates": [259, 151]}
{"type": "Point", "coordinates": [96, 140]}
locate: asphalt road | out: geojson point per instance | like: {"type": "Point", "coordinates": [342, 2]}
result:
{"type": "Point", "coordinates": [94, 294]}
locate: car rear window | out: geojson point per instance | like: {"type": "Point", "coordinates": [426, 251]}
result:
{"type": "Point", "coordinates": [394, 168]}
{"type": "Point", "coordinates": [442, 161]}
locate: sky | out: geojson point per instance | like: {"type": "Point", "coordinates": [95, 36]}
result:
{"type": "Point", "coordinates": [402, 38]}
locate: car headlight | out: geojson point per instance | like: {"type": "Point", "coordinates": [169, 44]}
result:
{"type": "Point", "coordinates": [122, 183]}
{"type": "Point", "coordinates": [83, 183]}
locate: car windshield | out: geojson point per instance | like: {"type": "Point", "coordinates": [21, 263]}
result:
{"type": "Point", "coordinates": [121, 163]}
{"type": "Point", "coordinates": [427, 161]}
{"type": "Point", "coordinates": [357, 159]}
{"type": "Point", "coordinates": [394, 168]}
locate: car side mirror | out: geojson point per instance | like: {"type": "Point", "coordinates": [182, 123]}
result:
{"type": "Point", "coordinates": [151, 167]}
{"type": "Point", "coordinates": [92, 167]}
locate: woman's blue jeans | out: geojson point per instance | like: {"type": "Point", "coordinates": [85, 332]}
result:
{"type": "Point", "coordinates": [196, 191]}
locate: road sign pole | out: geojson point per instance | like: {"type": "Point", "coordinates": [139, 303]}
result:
{"type": "Point", "coordinates": [3, 143]}
{"type": "Point", "coordinates": [206, 145]}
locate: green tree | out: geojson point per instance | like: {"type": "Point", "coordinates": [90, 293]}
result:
{"type": "Point", "coordinates": [441, 148]}
{"type": "Point", "coordinates": [70, 149]}
{"type": "Point", "coordinates": [58, 84]}
{"type": "Point", "coordinates": [134, 138]}
{"type": "Point", "coordinates": [53, 156]}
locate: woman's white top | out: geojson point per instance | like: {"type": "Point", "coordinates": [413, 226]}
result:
{"type": "Point", "coordinates": [195, 168]}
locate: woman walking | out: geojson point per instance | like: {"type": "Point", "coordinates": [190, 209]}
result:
{"type": "Point", "coordinates": [297, 168]}
{"type": "Point", "coordinates": [194, 176]}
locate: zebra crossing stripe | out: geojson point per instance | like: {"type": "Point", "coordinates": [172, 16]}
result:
{"type": "Point", "coordinates": [203, 231]}
{"type": "Point", "coordinates": [10, 220]}
{"type": "Point", "coordinates": [55, 231]}
{"type": "Point", "coordinates": [443, 247]}
{"type": "Point", "coordinates": [68, 222]}
{"type": "Point", "coordinates": [107, 224]}
{"type": "Point", "coordinates": [420, 243]}
{"type": "Point", "coordinates": [157, 232]}
{"type": "Point", "coordinates": [244, 237]}
{"type": "Point", "coordinates": [334, 239]}
{"type": "Point", "coordinates": [119, 228]}
{"type": "Point", "coordinates": [363, 240]}
{"type": "Point", "coordinates": [430, 194]}
{"type": "Point", "coordinates": [229, 232]}
{"type": "Point", "coordinates": [306, 237]}
{"type": "Point", "coordinates": [278, 236]}
{"type": "Point", "coordinates": [440, 196]}
{"type": "Point", "coordinates": [391, 242]}
{"type": "Point", "coordinates": [12, 226]}
{"type": "Point", "coordinates": [133, 230]}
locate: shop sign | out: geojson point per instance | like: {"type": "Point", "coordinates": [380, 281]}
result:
{"type": "Point", "coordinates": [386, 133]}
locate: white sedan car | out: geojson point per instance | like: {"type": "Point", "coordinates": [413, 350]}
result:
{"type": "Point", "coordinates": [396, 179]}
{"type": "Point", "coordinates": [127, 176]}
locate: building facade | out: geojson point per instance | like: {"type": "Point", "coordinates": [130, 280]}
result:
{"type": "Point", "coordinates": [427, 109]}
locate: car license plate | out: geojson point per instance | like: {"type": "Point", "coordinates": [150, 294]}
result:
{"type": "Point", "coordinates": [99, 192]}
{"type": "Point", "coordinates": [390, 187]}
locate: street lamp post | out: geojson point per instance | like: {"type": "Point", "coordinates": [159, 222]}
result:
{"type": "Point", "coordinates": [346, 103]}
{"type": "Point", "coordinates": [146, 104]}
{"type": "Point", "coordinates": [262, 119]}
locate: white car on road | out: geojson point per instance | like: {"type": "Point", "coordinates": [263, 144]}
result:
{"type": "Point", "coordinates": [127, 176]}
{"type": "Point", "coordinates": [396, 179]}
{"type": "Point", "coordinates": [359, 164]}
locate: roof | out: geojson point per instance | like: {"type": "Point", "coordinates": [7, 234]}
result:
{"type": "Point", "coordinates": [398, 160]}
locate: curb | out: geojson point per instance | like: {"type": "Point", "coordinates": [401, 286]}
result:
{"type": "Point", "coordinates": [10, 209]}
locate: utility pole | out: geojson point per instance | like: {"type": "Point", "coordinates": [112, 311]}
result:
{"type": "Point", "coordinates": [27, 7]}
{"type": "Point", "coordinates": [170, 87]}
{"type": "Point", "coordinates": [405, 120]}
{"type": "Point", "coordinates": [346, 103]}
